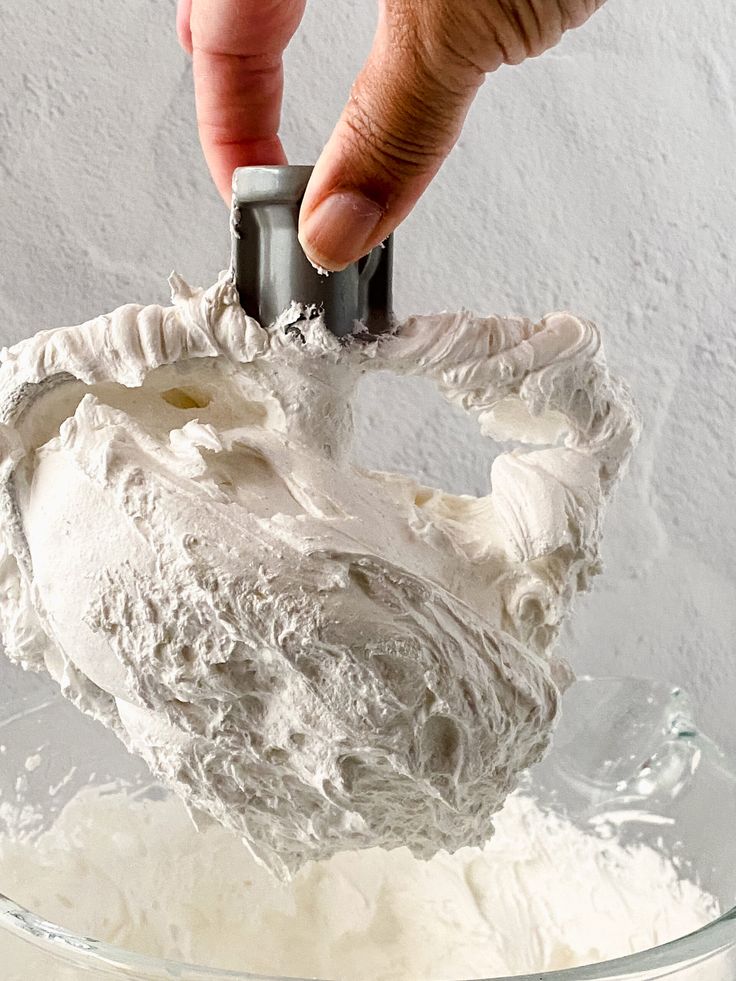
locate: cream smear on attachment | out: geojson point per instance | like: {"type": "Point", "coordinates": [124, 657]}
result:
{"type": "Point", "coordinates": [316, 656]}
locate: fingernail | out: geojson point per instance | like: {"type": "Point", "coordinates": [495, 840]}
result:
{"type": "Point", "coordinates": [339, 229]}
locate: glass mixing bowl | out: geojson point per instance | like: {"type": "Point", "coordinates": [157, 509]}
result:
{"type": "Point", "coordinates": [626, 753]}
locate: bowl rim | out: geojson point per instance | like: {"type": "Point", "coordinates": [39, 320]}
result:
{"type": "Point", "coordinates": [687, 951]}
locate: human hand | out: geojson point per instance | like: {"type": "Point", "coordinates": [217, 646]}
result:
{"type": "Point", "coordinates": [405, 110]}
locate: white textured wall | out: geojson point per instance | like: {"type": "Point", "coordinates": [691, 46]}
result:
{"type": "Point", "coordinates": [600, 178]}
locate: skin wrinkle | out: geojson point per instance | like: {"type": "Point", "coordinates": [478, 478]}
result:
{"type": "Point", "coordinates": [264, 146]}
{"type": "Point", "coordinates": [399, 144]}
{"type": "Point", "coordinates": [432, 34]}
{"type": "Point", "coordinates": [389, 141]}
{"type": "Point", "coordinates": [263, 71]}
{"type": "Point", "coordinates": [438, 40]}
{"type": "Point", "coordinates": [536, 17]}
{"type": "Point", "coordinates": [523, 48]}
{"type": "Point", "coordinates": [425, 104]}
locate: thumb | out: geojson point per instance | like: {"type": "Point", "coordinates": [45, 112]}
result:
{"type": "Point", "coordinates": [404, 115]}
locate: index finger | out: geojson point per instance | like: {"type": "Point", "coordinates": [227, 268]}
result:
{"type": "Point", "coordinates": [237, 49]}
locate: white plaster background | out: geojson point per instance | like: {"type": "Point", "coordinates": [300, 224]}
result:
{"type": "Point", "coordinates": [599, 178]}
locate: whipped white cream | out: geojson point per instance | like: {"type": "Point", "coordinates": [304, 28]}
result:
{"type": "Point", "coordinates": [316, 656]}
{"type": "Point", "coordinates": [543, 895]}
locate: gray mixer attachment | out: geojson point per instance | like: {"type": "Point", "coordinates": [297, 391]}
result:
{"type": "Point", "coordinates": [271, 269]}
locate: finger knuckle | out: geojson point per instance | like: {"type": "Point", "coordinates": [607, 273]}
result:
{"type": "Point", "coordinates": [482, 35]}
{"type": "Point", "coordinates": [576, 12]}
{"type": "Point", "coordinates": [528, 25]}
